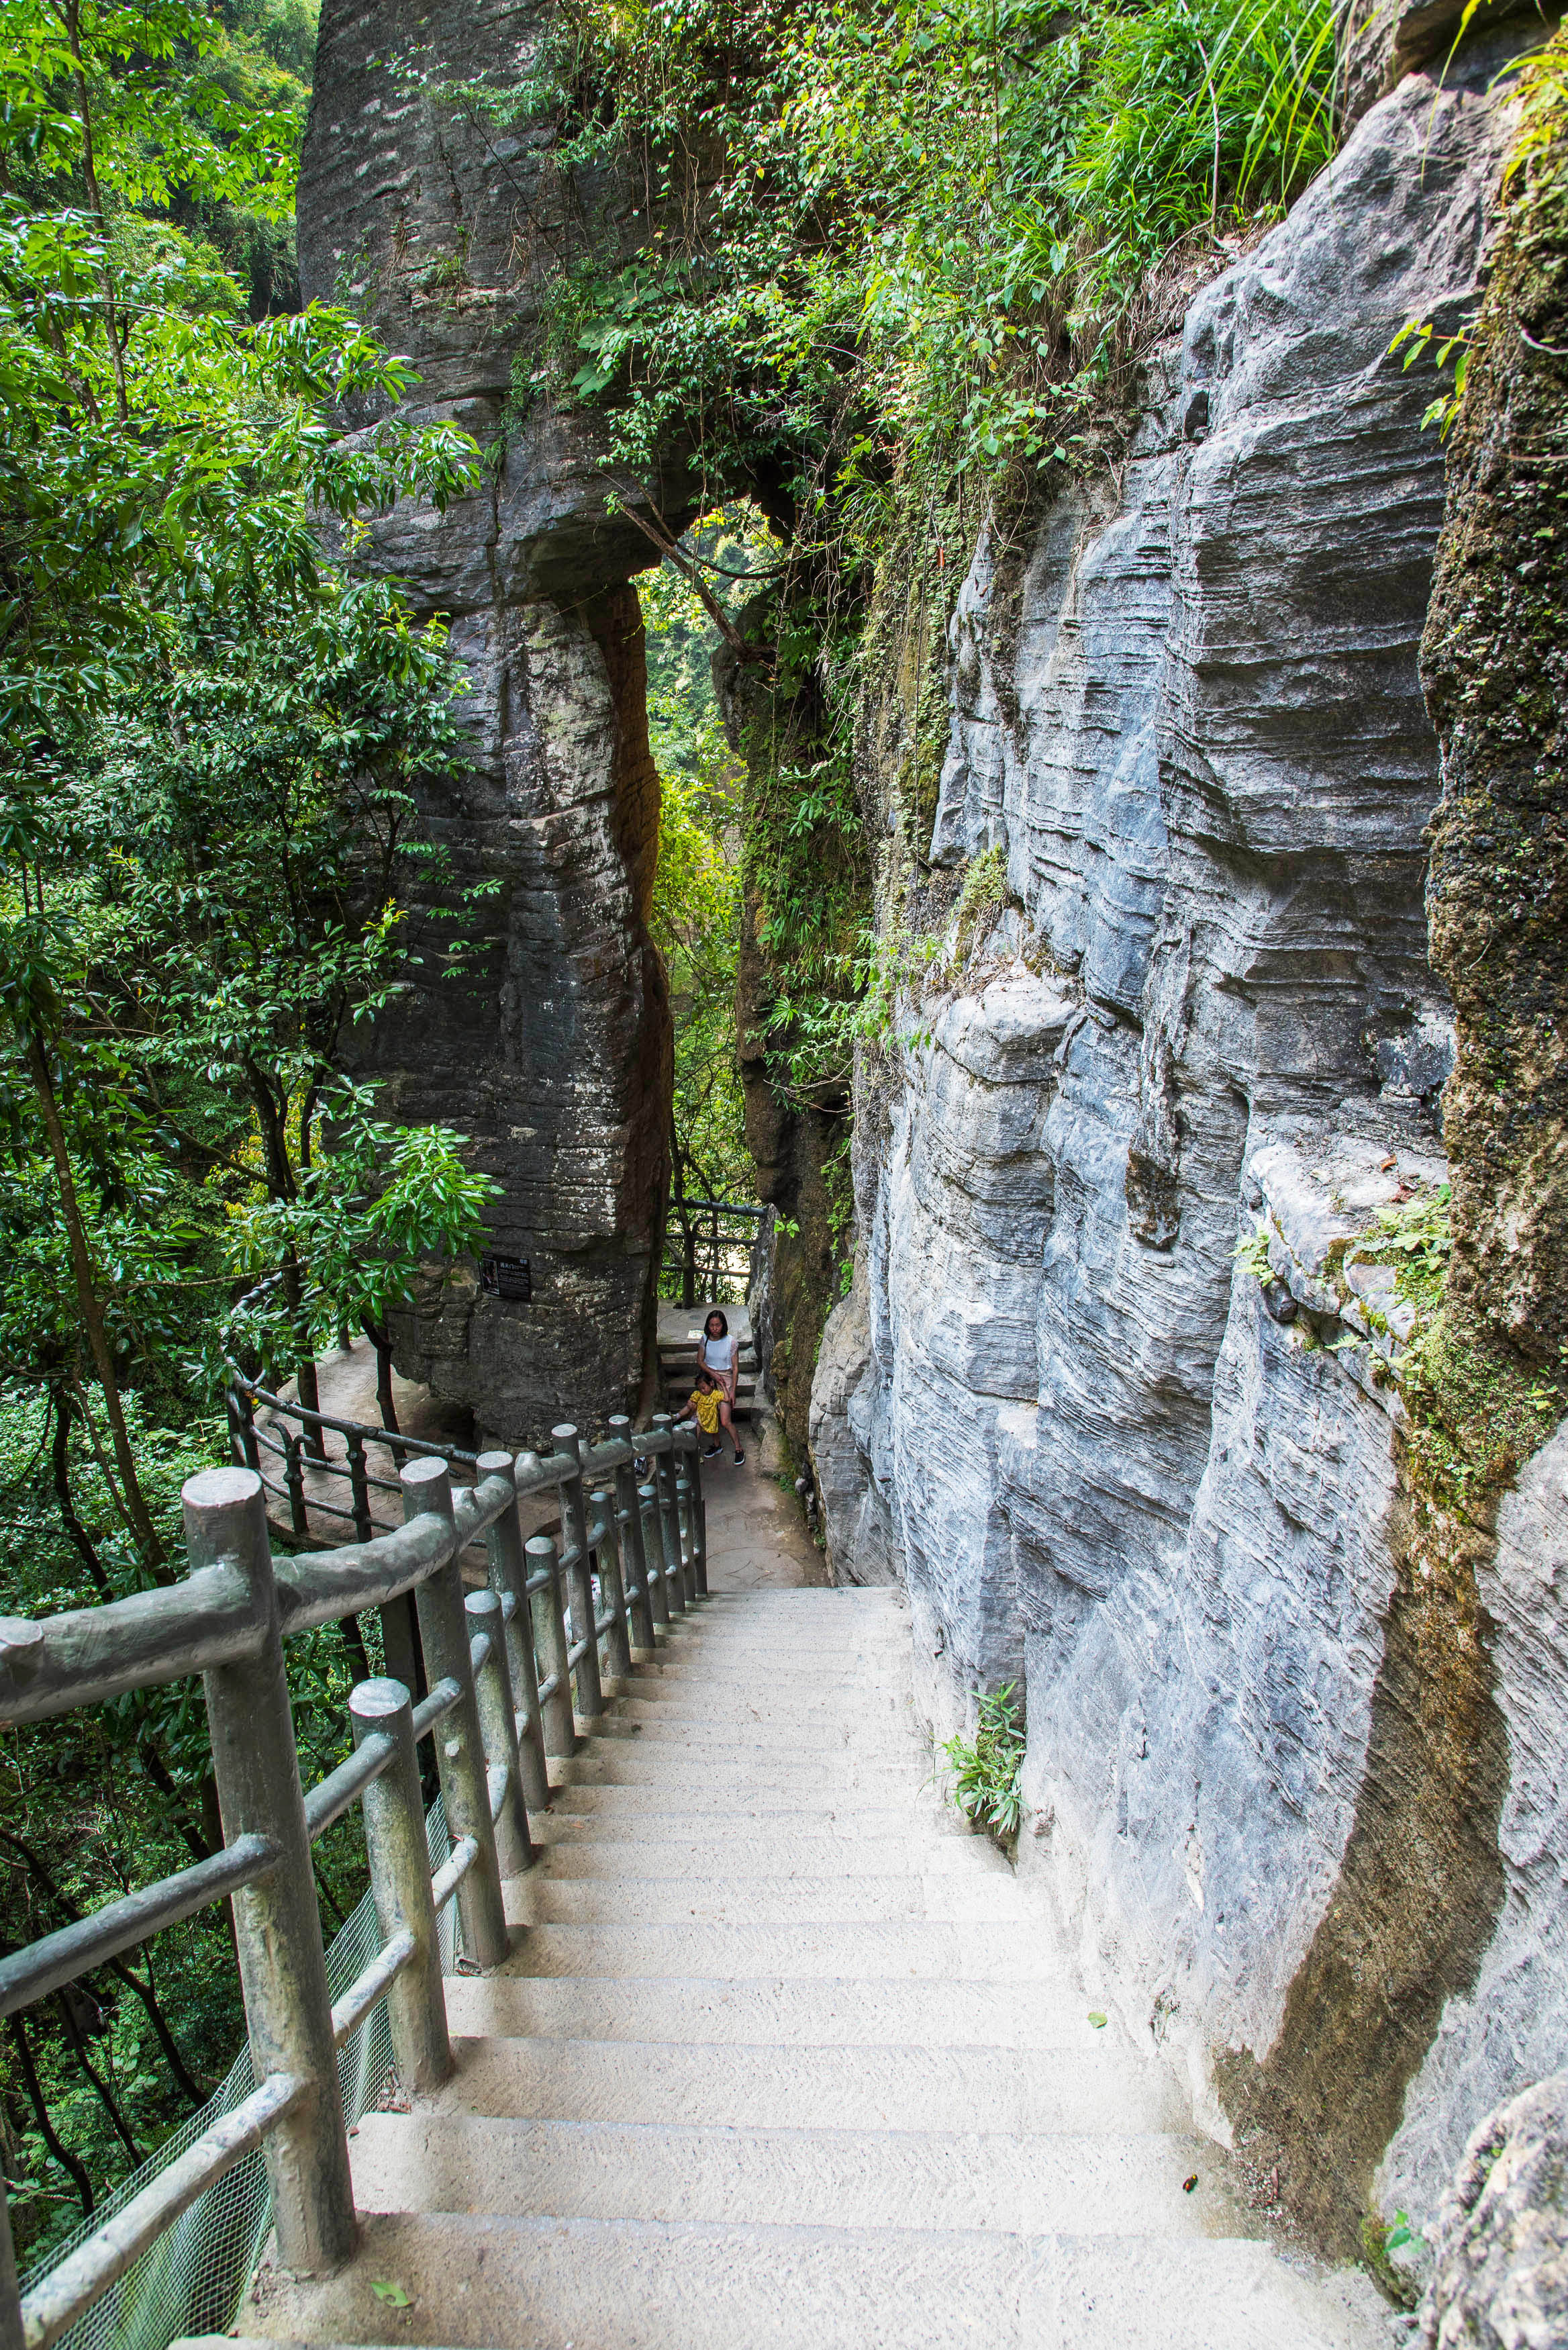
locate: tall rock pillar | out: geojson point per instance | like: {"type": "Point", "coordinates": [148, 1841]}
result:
{"type": "Point", "coordinates": [553, 1049]}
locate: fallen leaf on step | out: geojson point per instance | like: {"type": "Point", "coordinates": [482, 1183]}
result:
{"type": "Point", "coordinates": [1189, 2184]}
{"type": "Point", "coordinates": [1096, 2019]}
{"type": "Point", "coordinates": [387, 2288]}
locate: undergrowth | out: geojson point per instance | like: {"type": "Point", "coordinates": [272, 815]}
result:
{"type": "Point", "coordinates": [1476, 1413]}
{"type": "Point", "coordinates": [884, 264]}
{"type": "Point", "coordinates": [985, 1771]}
{"type": "Point", "coordinates": [981, 899]}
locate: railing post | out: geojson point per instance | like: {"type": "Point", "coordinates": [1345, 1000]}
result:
{"type": "Point", "coordinates": [653, 1549]}
{"type": "Point", "coordinates": [618, 1641]}
{"type": "Point", "coordinates": [668, 1515]}
{"type": "Point", "coordinates": [686, 1519]}
{"type": "Point", "coordinates": [242, 1426]}
{"type": "Point", "coordinates": [401, 1644]}
{"type": "Point", "coordinates": [508, 1575]}
{"type": "Point", "coordinates": [459, 1749]}
{"type": "Point", "coordinates": [360, 1489]}
{"type": "Point", "coordinates": [294, 1478]}
{"type": "Point", "coordinates": [629, 1517]}
{"type": "Point", "coordinates": [550, 1637]}
{"type": "Point", "coordinates": [498, 1727]}
{"type": "Point", "coordinates": [590, 1700]}
{"type": "Point", "coordinates": [277, 1926]}
{"type": "Point", "coordinates": [401, 1882]}
{"type": "Point", "coordinates": [699, 1519]}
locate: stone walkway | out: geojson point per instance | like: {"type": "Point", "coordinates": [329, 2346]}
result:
{"type": "Point", "coordinates": [785, 2059]}
{"type": "Point", "coordinates": [757, 1539]}
{"type": "Point", "coordinates": [756, 1532]}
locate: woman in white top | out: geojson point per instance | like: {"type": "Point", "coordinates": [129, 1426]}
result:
{"type": "Point", "coordinates": [721, 1354]}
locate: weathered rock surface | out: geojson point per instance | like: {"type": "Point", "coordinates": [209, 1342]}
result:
{"type": "Point", "coordinates": [1271, 1737]}
{"type": "Point", "coordinates": [1501, 2278]}
{"type": "Point", "coordinates": [553, 1051]}
{"type": "Point", "coordinates": [1494, 659]}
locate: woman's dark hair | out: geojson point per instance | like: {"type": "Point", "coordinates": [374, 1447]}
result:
{"type": "Point", "coordinates": [721, 1319]}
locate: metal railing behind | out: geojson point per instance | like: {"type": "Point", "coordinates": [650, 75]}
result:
{"type": "Point", "coordinates": [507, 1667]}
{"type": "Point", "coordinates": [708, 1249]}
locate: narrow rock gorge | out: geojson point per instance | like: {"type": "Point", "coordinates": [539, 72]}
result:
{"type": "Point", "coordinates": [1227, 806]}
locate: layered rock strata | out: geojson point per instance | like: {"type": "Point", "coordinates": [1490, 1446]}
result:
{"type": "Point", "coordinates": [552, 1048]}
{"type": "Point", "coordinates": [1285, 1718]}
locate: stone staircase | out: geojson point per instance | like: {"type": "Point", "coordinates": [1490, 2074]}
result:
{"type": "Point", "coordinates": [680, 1329]}
{"type": "Point", "coordinates": [784, 2057]}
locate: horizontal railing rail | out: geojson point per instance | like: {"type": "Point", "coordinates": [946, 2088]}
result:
{"type": "Point", "coordinates": [511, 1668]}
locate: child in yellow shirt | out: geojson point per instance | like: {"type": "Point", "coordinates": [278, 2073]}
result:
{"type": "Point", "coordinates": [702, 1406]}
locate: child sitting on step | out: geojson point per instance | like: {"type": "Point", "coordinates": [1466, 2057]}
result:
{"type": "Point", "coordinates": [702, 1406]}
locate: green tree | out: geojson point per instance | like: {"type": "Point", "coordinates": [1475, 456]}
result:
{"type": "Point", "coordinates": [697, 896]}
{"type": "Point", "coordinates": [165, 469]}
{"type": "Point", "coordinates": [365, 1220]}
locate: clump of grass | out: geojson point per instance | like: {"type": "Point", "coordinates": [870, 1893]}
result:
{"type": "Point", "coordinates": [985, 1772]}
{"type": "Point", "coordinates": [983, 896]}
{"type": "Point", "coordinates": [1416, 1239]}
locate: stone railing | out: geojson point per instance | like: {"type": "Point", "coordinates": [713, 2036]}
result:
{"type": "Point", "coordinates": [507, 1667]}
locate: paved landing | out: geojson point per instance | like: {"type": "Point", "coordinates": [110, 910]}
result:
{"type": "Point", "coordinates": [757, 1539]}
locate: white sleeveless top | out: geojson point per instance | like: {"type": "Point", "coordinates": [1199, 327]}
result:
{"type": "Point", "coordinates": [718, 1353]}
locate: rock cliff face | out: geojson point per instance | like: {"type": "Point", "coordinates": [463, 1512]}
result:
{"type": "Point", "coordinates": [553, 1051]}
{"type": "Point", "coordinates": [1287, 1718]}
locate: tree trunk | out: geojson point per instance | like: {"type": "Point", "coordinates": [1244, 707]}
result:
{"type": "Point", "coordinates": [60, 1455]}
{"type": "Point", "coordinates": [305, 1381]}
{"type": "Point", "coordinates": [51, 2138]}
{"type": "Point", "coordinates": [381, 1341]}
{"type": "Point", "coordinates": [91, 1312]}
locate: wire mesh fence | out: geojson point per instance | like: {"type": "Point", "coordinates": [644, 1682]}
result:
{"type": "Point", "coordinates": [193, 2279]}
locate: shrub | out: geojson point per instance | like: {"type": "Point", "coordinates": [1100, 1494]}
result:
{"type": "Point", "coordinates": [985, 1773]}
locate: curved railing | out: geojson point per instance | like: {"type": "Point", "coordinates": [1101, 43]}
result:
{"type": "Point", "coordinates": [508, 1669]}
{"type": "Point", "coordinates": [273, 1431]}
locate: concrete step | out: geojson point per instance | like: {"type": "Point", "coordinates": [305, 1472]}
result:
{"type": "Point", "coordinates": [786, 2177]}
{"type": "Point", "coordinates": [805, 1641]}
{"type": "Point", "coordinates": [757, 1855]}
{"type": "Point", "coordinates": [650, 1801]}
{"type": "Point", "coordinates": [731, 1749]}
{"type": "Point", "coordinates": [746, 1729]}
{"type": "Point", "coordinates": [541, 1900]}
{"type": "Point", "coordinates": [697, 1697]}
{"type": "Point", "coordinates": [634, 1815]}
{"type": "Point", "coordinates": [1089, 2085]}
{"type": "Point", "coordinates": [690, 1689]}
{"type": "Point", "coordinates": [851, 2011]}
{"type": "Point", "coordinates": [487, 2283]}
{"type": "Point", "coordinates": [836, 1678]}
{"type": "Point", "coordinates": [924, 1952]}
{"type": "Point", "coordinates": [743, 1722]}
{"type": "Point", "coordinates": [847, 1595]}
{"type": "Point", "coordinates": [625, 1764]}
